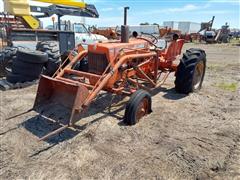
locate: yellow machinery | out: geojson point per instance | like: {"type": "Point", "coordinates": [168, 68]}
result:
{"type": "Point", "coordinates": [20, 25]}
{"type": "Point", "coordinates": [64, 2]}
{"type": "Point", "coordinates": [22, 9]}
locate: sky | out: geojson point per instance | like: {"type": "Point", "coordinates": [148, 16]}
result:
{"type": "Point", "coordinates": [157, 11]}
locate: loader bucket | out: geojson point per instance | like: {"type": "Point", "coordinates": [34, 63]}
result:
{"type": "Point", "coordinates": [60, 100]}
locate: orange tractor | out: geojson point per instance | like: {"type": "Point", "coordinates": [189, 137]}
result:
{"type": "Point", "coordinates": [132, 67]}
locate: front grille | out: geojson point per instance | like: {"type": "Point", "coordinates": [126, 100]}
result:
{"type": "Point", "coordinates": [97, 63]}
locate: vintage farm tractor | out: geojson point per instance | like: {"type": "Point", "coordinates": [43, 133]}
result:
{"type": "Point", "coordinates": [131, 67]}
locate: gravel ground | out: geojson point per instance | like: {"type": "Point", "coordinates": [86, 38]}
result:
{"type": "Point", "coordinates": [186, 137]}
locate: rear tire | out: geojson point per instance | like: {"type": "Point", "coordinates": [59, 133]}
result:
{"type": "Point", "coordinates": [138, 106]}
{"type": "Point", "coordinates": [190, 72]}
{"type": "Point", "coordinates": [54, 57]}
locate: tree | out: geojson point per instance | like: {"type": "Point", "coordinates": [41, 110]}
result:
{"type": "Point", "coordinates": [156, 24]}
{"type": "Point", "coordinates": [146, 23]}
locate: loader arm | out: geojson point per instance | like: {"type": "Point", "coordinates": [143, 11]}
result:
{"type": "Point", "coordinates": [72, 3]}
{"type": "Point", "coordinates": [61, 8]}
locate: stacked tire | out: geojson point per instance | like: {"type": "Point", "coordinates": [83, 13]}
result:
{"type": "Point", "coordinates": [54, 56]}
{"type": "Point", "coordinates": [6, 58]}
{"type": "Point", "coordinates": [27, 66]}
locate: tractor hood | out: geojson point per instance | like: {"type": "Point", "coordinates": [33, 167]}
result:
{"type": "Point", "coordinates": [112, 49]}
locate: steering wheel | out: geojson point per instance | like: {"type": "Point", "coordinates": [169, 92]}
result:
{"type": "Point", "coordinates": [155, 40]}
{"type": "Point", "coordinates": [153, 43]}
{"type": "Point", "coordinates": [150, 42]}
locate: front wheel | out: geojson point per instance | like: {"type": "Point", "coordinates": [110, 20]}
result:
{"type": "Point", "coordinates": [191, 71]}
{"type": "Point", "coordinates": [138, 106]}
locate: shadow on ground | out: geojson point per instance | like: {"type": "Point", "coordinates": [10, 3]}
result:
{"type": "Point", "coordinates": [170, 94]}
{"type": "Point", "coordinates": [40, 126]}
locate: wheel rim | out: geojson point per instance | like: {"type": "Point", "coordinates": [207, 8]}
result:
{"type": "Point", "coordinates": [198, 75]}
{"type": "Point", "coordinates": [142, 109]}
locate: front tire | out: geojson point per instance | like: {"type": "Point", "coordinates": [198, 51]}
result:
{"type": "Point", "coordinates": [138, 106]}
{"type": "Point", "coordinates": [191, 71]}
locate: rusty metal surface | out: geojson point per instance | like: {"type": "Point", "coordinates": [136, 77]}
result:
{"type": "Point", "coordinates": [60, 97]}
{"type": "Point", "coordinates": [97, 63]}
{"type": "Point", "coordinates": [66, 96]}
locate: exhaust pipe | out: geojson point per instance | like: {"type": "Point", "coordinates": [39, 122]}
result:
{"type": "Point", "coordinates": [125, 28]}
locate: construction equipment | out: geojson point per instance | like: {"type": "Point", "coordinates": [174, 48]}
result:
{"type": "Point", "coordinates": [132, 67]}
{"type": "Point", "coordinates": [207, 26]}
{"type": "Point", "coordinates": [22, 9]}
{"type": "Point", "coordinates": [209, 34]}
{"type": "Point", "coordinates": [223, 35]}
{"type": "Point", "coordinates": [21, 27]}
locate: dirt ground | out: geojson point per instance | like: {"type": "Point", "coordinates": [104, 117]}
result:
{"type": "Point", "coordinates": [185, 137]}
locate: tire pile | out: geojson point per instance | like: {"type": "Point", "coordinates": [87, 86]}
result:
{"type": "Point", "coordinates": [24, 65]}
{"type": "Point", "coordinates": [27, 66]}
{"type": "Point", "coordinates": [54, 57]}
{"type": "Point", "coordinates": [6, 58]}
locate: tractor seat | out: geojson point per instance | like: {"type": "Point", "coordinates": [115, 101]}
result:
{"type": "Point", "coordinates": [173, 50]}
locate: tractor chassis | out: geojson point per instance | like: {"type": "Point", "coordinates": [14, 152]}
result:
{"type": "Point", "coordinates": [148, 74]}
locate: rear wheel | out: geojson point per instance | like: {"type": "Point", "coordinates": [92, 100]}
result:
{"type": "Point", "coordinates": [138, 106]}
{"type": "Point", "coordinates": [190, 72]}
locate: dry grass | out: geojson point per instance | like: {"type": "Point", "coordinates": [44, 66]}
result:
{"type": "Point", "coordinates": [185, 137]}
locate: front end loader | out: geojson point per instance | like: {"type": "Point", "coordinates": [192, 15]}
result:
{"type": "Point", "coordinates": [132, 67]}
{"type": "Point", "coordinates": [22, 10]}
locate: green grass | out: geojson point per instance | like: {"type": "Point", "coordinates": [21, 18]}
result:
{"type": "Point", "coordinates": [217, 66]}
{"type": "Point", "coordinates": [235, 41]}
{"type": "Point", "coordinates": [228, 86]}
{"type": "Point", "coordinates": [213, 67]}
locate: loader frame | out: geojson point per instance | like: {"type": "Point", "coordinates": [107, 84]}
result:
{"type": "Point", "coordinates": [149, 69]}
